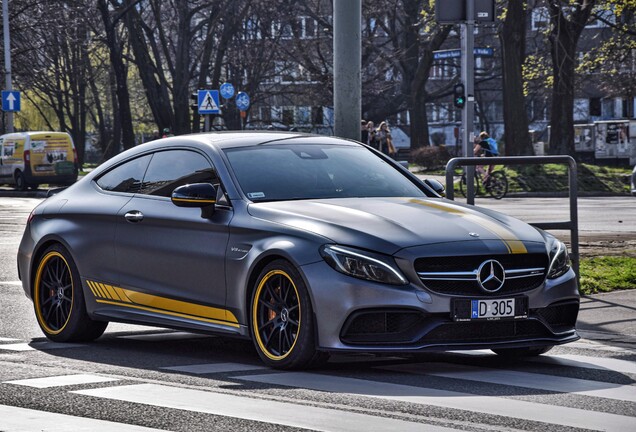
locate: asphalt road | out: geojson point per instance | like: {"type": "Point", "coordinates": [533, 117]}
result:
{"type": "Point", "coordinates": [137, 378]}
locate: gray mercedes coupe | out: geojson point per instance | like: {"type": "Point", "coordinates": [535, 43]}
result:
{"type": "Point", "coordinates": [307, 245]}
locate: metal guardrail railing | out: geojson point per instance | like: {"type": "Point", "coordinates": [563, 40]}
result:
{"type": "Point", "coordinates": [572, 224]}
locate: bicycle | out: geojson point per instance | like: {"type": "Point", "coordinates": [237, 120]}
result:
{"type": "Point", "coordinates": [496, 184]}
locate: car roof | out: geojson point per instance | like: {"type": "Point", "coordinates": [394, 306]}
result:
{"type": "Point", "coordinates": [232, 139]}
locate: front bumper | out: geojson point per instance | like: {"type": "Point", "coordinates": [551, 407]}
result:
{"type": "Point", "coordinates": [359, 316]}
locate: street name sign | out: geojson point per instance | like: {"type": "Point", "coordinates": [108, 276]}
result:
{"type": "Point", "coordinates": [456, 53]}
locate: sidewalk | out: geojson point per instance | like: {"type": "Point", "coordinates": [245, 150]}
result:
{"type": "Point", "coordinates": [609, 317]}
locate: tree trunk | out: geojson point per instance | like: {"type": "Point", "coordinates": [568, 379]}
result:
{"type": "Point", "coordinates": [123, 113]}
{"type": "Point", "coordinates": [567, 22]}
{"type": "Point", "coordinates": [513, 38]}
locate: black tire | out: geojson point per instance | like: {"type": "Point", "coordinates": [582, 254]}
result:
{"type": "Point", "coordinates": [497, 185]}
{"type": "Point", "coordinates": [58, 299]}
{"type": "Point", "coordinates": [281, 324]}
{"type": "Point", "coordinates": [20, 181]}
{"type": "Point", "coordinates": [462, 185]}
{"type": "Point", "coordinates": [523, 352]}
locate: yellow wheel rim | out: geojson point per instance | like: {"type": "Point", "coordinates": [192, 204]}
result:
{"type": "Point", "coordinates": [53, 293]}
{"type": "Point", "coordinates": [276, 315]}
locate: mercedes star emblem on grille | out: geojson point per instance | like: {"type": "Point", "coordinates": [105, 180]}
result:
{"type": "Point", "coordinates": [491, 276]}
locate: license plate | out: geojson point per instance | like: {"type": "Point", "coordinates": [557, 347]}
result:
{"type": "Point", "coordinates": [490, 309]}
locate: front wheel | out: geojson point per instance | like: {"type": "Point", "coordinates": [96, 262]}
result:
{"type": "Point", "coordinates": [58, 299]}
{"type": "Point", "coordinates": [463, 187]}
{"type": "Point", "coordinates": [282, 325]}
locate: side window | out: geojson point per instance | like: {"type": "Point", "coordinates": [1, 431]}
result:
{"type": "Point", "coordinates": [173, 168]}
{"type": "Point", "coordinates": [126, 177]}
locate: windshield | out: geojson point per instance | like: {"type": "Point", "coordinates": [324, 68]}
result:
{"type": "Point", "coordinates": [308, 171]}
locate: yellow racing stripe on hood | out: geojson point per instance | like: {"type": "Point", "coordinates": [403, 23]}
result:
{"type": "Point", "coordinates": [512, 243]}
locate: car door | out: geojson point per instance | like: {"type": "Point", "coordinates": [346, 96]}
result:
{"type": "Point", "coordinates": [172, 253]}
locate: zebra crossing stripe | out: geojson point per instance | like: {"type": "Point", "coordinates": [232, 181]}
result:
{"type": "Point", "coordinates": [15, 419]}
{"type": "Point", "coordinates": [63, 380]}
{"type": "Point", "coordinates": [248, 408]}
{"type": "Point", "coordinates": [38, 346]}
{"type": "Point", "coordinates": [512, 408]}
{"type": "Point", "coordinates": [520, 379]}
{"type": "Point", "coordinates": [579, 361]}
{"type": "Point", "coordinates": [211, 368]}
{"type": "Point", "coordinates": [603, 363]}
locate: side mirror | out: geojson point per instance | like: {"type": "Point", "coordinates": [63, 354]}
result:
{"type": "Point", "coordinates": [201, 195]}
{"type": "Point", "coordinates": [436, 186]}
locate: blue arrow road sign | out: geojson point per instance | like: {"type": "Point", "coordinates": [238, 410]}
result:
{"type": "Point", "coordinates": [10, 100]}
{"type": "Point", "coordinates": [227, 90]}
{"type": "Point", "coordinates": [208, 102]}
{"type": "Point", "coordinates": [242, 101]}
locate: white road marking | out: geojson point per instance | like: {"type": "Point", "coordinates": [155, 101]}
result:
{"type": "Point", "coordinates": [39, 346]}
{"type": "Point", "coordinates": [4, 339]}
{"type": "Point", "coordinates": [210, 368]}
{"type": "Point", "coordinates": [521, 379]}
{"type": "Point", "coordinates": [585, 362]}
{"type": "Point", "coordinates": [16, 283]}
{"type": "Point", "coordinates": [63, 380]}
{"type": "Point", "coordinates": [506, 407]}
{"type": "Point", "coordinates": [603, 363]}
{"type": "Point", "coordinates": [280, 413]}
{"type": "Point", "coordinates": [15, 419]}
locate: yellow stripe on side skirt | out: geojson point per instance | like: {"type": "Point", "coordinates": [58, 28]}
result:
{"type": "Point", "coordinates": [113, 295]}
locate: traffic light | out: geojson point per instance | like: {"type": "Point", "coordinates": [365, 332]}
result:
{"type": "Point", "coordinates": [458, 96]}
{"type": "Point", "coordinates": [194, 101]}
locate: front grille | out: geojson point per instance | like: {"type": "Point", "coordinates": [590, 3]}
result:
{"type": "Point", "coordinates": [382, 326]}
{"type": "Point", "coordinates": [457, 275]}
{"type": "Point", "coordinates": [486, 331]}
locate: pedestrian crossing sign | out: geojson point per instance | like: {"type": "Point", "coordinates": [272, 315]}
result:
{"type": "Point", "coordinates": [208, 102]}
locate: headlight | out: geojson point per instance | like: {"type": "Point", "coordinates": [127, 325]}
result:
{"type": "Point", "coordinates": [559, 260]}
{"type": "Point", "coordinates": [363, 265]}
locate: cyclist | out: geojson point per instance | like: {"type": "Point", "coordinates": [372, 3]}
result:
{"type": "Point", "coordinates": [485, 146]}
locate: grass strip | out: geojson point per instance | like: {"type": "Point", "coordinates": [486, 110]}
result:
{"type": "Point", "coordinates": [607, 273]}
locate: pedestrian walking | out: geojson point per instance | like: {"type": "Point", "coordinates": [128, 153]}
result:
{"type": "Point", "coordinates": [384, 139]}
{"type": "Point", "coordinates": [364, 132]}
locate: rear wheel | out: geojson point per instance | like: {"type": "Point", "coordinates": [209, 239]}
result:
{"type": "Point", "coordinates": [282, 323]}
{"type": "Point", "coordinates": [58, 299]}
{"type": "Point", "coordinates": [523, 352]}
{"type": "Point", "coordinates": [497, 184]}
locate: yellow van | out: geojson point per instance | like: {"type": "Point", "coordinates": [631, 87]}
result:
{"type": "Point", "coordinates": [28, 159]}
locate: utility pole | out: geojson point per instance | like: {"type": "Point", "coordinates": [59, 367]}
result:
{"type": "Point", "coordinates": [7, 58]}
{"type": "Point", "coordinates": [347, 62]}
{"type": "Point", "coordinates": [468, 79]}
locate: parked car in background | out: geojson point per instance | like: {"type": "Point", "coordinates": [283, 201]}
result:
{"type": "Point", "coordinates": [306, 244]}
{"type": "Point", "coordinates": [28, 159]}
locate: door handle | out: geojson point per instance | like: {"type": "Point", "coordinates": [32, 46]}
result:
{"type": "Point", "coordinates": [134, 216]}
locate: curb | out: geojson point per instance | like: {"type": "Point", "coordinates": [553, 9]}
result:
{"type": "Point", "coordinates": [8, 193]}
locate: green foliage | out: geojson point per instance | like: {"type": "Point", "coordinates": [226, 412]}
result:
{"type": "Point", "coordinates": [607, 273]}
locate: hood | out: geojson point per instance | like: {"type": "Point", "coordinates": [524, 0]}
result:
{"type": "Point", "coordinates": [391, 224]}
